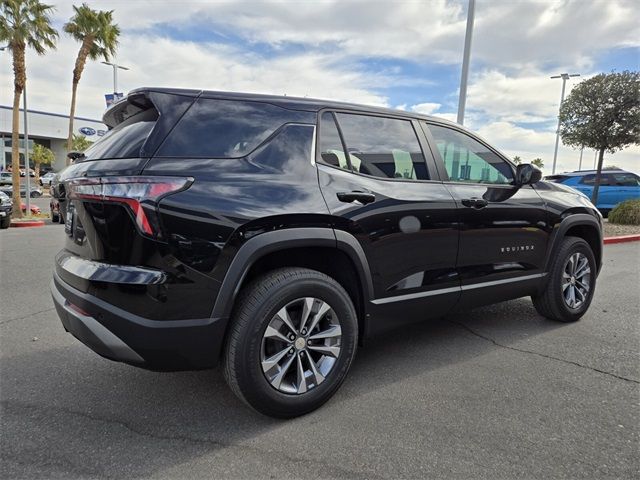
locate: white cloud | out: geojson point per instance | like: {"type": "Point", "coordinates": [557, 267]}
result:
{"type": "Point", "coordinates": [532, 97]}
{"type": "Point", "coordinates": [157, 61]}
{"type": "Point", "coordinates": [529, 144]}
{"type": "Point", "coordinates": [507, 34]}
{"type": "Point", "coordinates": [427, 108]}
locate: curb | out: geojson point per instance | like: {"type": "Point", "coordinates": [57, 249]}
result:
{"type": "Point", "coordinates": [622, 239]}
{"type": "Point", "coordinates": [31, 223]}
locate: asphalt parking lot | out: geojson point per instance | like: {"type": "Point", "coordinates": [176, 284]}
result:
{"type": "Point", "coordinates": [498, 392]}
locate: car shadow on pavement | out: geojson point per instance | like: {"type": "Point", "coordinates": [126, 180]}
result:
{"type": "Point", "coordinates": [74, 413]}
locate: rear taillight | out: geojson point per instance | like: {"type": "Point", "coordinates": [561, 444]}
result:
{"type": "Point", "coordinates": [139, 194]}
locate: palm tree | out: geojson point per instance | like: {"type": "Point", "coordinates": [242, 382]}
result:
{"type": "Point", "coordinates": [23, 24]}
{"type": "Point", "coordinates": [538, 162]}
{"type": "Point", "coordinates": [41, 156]}
{"type": "Point", "coordinates": [98, 37]}
{"type": "Point", "coordinates": [80, 143]}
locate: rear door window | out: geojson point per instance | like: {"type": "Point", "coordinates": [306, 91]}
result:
{"type": "Point", "coordinates": [214, 128]}
{"type": "Point", "coordinates": [588, 180]}
{"type": "Point", "coordinates": [605, 180]}
{"type": "Point", "coordinates": [332, 151]}
{"type": "Point", "coordinates": [382, 147]}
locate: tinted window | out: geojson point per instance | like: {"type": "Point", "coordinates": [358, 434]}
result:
{"type": "Point", "coordinates": [126, 139]}
{"type": "Point", "coordinates": [588, 180]}
{"type": "Point", "coordinates": [331, 149]}
{"type": "Point", "coordinates": [623, 179]}
{"type": "Point", "coordinates": [224, 128]}
{"type": "Point", "coordinates": [468, 160]}
{"type": "Point", "coordinates": [605, 180]}
{"type": "Point", "coordinates": [285, 151]}
{"type": "Point", "coordinates": [556, 178]}
{"type": "Point", "coordinates": [383, 147]}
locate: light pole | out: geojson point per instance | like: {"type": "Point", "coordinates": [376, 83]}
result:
{"type": "Point", "coordinates": [115, 75]}
{"type": "Point", "coordinates": [564, 77]}
{"type": "Point", "coordinates": [462, 98]}
{"type": "Point", "coordinates": [580, 164]}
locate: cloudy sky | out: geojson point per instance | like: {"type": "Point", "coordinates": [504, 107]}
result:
{"type": "Point", "coordinates": [401, 54]}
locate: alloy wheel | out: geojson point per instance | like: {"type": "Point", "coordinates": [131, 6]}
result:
{"type": "Point", "coordinates": [576, 280]}
{"type": "Point", "coordinates": [301, 345]}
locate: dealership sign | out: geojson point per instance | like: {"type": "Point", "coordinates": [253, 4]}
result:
{"type": "Point", "coordinates": [112, 98]}
{"type": "Point", "coordinates": [87, 131]}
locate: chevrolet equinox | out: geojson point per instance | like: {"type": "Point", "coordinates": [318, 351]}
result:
{"type": "Point", "coordinates": [274, 234]}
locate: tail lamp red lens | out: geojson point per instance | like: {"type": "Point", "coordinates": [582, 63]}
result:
{"type": "Point", "coordinates": [139, 194]}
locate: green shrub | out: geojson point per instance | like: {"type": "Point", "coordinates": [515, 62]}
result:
{"type": "Point", "coordinates": [626, 213]}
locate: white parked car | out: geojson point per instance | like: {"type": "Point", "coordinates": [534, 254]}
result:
{"type": "Point", "coordinates": [47, 178]}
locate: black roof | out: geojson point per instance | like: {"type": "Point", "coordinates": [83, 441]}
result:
{"type": "Point", "coordinates": [294, 103]}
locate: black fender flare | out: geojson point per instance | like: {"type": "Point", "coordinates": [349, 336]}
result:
{"type": "Point", "coordinates": [561, 228]}
{"type": "Point", "coordinates": [269, 242]}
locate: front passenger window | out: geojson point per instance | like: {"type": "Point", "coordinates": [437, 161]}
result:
{"type": "Point", "coordinates": [468, 160]}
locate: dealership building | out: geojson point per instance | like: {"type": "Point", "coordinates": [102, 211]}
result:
{"type": "Point", "coordinates": [48, 129]}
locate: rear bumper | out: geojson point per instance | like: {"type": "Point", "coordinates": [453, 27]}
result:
{"type": "Point", "coordinates": [121, 336]}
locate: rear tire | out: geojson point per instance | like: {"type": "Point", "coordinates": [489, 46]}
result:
{"type": "Point", "coordinates": [55, 218]}
{"type": "Point", "coordinates": [257, 336]}
{"type": "Point", "coordinates": [555, 301]}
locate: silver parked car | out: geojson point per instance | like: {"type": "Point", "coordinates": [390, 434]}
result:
{"type": "Point", "coordinates": [47, 178]}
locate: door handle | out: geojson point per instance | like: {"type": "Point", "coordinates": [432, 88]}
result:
{"type": "Point", "coordinates": [474, 202]}
{"type": "Point", "coordinates": [362, 197]}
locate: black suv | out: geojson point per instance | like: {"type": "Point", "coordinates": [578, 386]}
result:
{"type": "Point", "coordinates": [274, 234]}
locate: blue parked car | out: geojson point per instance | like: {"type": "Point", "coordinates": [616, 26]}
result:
{"type": "Point", "coordinates": [615, 186]}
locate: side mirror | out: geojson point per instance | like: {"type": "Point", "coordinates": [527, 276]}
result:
{"type": "Point", "coordinates": [527, 174]}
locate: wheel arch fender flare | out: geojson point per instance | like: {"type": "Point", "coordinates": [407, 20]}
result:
{"type": "Point", "coordinates": [257, 247]}
{"type": "Point", "coordinates": [560, 232]}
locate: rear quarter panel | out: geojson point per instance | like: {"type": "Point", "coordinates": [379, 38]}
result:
{"type": "Point", "coordinates": [232, 200]}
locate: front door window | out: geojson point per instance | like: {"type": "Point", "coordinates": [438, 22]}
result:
{"type": "Point", "coordinates": [467, 160]}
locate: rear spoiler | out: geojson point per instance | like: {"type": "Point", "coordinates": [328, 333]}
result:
{"type": "Point", "coordinates": [168, 106]}
{"type": "Point", "coordinates": [130, 105]}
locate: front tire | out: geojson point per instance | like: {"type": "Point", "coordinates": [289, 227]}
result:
{"type": "Point", "coordinates": [291, 342]}
{"type": "Point", "coordinates": [570, 284]}
{"type": "Point", "coordinates": [5, 222]}
{"type": "Point", "coordinates": [55, 218]}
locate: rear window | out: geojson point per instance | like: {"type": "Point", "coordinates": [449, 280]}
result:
{"type": "Point", "coordinates": [126, 139]}
{"type": "Point", "coordinates": [214, 128]}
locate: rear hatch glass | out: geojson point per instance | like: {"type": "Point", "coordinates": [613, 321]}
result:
{"type": "Point", "coordinates": [126, 139]}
